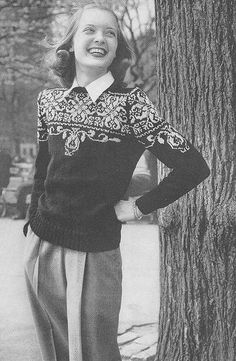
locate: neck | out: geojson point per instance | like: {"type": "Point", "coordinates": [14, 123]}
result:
{"type": "Point", "coordinates": [84, 77]}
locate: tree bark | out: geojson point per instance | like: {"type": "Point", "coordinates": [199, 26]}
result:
{"type": "Point", "coordinates": [196, 74]}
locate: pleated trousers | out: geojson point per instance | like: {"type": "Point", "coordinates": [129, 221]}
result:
{"type": "Point", "coordinates": [75, 299]}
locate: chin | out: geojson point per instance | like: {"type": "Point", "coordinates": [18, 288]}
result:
{"type": "Point", "coordinates": [106, 60]}
{"type": "Point", "coordinates": [99, 65]}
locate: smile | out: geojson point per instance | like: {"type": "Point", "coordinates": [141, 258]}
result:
{"type": "Point", "coordinates": [99, 51]}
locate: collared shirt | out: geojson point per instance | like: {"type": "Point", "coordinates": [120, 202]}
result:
{"type": "Point", "coordinates": [96, 87]}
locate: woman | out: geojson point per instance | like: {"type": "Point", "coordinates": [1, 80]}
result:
{"type": "Point", "coordinates": [91, 135]}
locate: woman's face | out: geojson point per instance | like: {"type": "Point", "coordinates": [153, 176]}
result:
{"type": "Point", "coordinates": [95, 41]}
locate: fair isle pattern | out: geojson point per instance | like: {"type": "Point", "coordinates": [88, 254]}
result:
{"type": "Point", "coordinates": [148, 127]}
{"type": "Point", "coordinates": [77, 118]}
{"type": "Point", "coordinates": [42, 132]}
{"type": "Point", "coordinates": [114, 116]}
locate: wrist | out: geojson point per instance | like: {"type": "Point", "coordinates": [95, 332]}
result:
{"type": "Point", "coordinates": [137, 213]}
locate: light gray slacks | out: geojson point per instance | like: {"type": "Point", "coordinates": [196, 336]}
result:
{"type": "Point", "coordinates": [75, 299]}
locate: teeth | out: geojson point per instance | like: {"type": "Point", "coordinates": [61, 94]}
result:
{"type": "Point", "coordinates": [97, 50]}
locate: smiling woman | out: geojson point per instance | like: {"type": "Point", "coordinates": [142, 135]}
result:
{"type": "Point", "coordinates": [94, 44]}
{"type": "Point", "coordinates": [91, 135]}
{"type": "Point", "coordinates": [86, 24]}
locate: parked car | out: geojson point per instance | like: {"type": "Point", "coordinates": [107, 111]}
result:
{"type": "Point", "coordinates": [16, 194]}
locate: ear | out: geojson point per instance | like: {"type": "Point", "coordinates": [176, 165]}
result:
{"type": "Point", "coordinates": [71, 48]}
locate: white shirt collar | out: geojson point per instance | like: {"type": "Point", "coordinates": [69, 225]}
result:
{"type": "Point", "coordinates": [96, 87]}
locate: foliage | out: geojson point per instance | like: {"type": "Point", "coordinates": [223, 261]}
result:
{"type": "Point", "coordinates": [22, 27]}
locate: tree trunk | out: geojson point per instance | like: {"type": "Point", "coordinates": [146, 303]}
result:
{"type": "Point", "coordinates": [196, 74]}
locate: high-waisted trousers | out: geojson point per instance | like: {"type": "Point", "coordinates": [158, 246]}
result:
{"type": "Point", "coordinates": [75, 299]}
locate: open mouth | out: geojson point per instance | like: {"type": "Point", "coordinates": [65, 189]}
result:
{"type": "Point", "coordinates": [97, 51]}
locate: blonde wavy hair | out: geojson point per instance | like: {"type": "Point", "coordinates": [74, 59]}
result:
{"type": "Point", "coordinates": [61, 60]}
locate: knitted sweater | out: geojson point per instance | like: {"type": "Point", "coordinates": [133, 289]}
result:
{"type": "Point", "coordinates": [87, 154]}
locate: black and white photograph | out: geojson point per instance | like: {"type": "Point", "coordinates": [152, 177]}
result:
{"type": "Point", "coordinates": [118, 180]}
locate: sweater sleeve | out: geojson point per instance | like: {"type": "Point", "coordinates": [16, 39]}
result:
{"type": "Point", "coordinates": [42, 158]}
{"type": "Point", "coordinates": [188, 168]}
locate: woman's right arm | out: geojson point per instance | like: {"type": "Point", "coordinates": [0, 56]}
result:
{"type": "Point", "coordinates": [42, 159]}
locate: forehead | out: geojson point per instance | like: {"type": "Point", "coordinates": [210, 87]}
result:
{"type": "Point", "coordinates": [98, 17]}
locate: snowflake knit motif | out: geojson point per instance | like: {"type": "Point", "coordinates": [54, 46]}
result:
{"type": "Point", "coordinates": [77, 118]}
{"type": "Point", "coordinates": [114, 116]}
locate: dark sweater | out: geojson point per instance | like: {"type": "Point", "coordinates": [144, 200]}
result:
{"type": "Point", "coordinates": [87, 154]}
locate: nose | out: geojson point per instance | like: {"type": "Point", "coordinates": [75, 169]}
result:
{"type": "Point", "coordinates": [99, 37]}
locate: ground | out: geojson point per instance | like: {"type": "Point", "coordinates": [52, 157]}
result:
{"type": "Point", "coordinates": [140, 302]}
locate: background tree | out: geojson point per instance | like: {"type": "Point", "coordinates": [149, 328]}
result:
{"type": "Point", "coordinates": [23, 24]}
{"type": "Point", "coordinates": [196, 72]}
{"type": "Point", "coordinates": [138, 23]}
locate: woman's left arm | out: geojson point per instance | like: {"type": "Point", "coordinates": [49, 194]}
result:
{"type": "Point", "coordinates": [188, 168]}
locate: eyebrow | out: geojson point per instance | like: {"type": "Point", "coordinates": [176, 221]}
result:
{"type": "Point", "coordinates": [108, 27]}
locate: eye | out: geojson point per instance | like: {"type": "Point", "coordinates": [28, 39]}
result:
{"type": "Point", "coordinates": [89, 30]}
{"type": "Point", "coordinates": [111, 33]}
